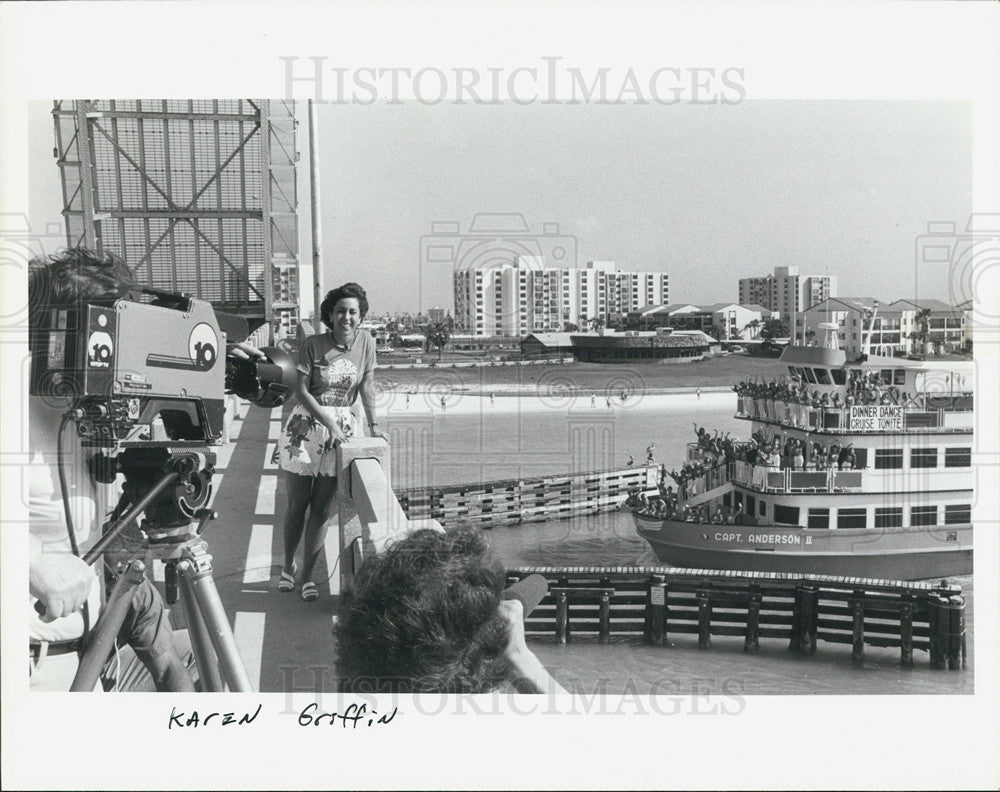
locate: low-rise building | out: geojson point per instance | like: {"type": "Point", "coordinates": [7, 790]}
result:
{"type": "Point", "coordinates": [636, 346]}
{"type": "Point", "coordinates": [541, 345]}
{"type": "Point", "coordinates": [895, 328]}
{"type": "Point", "coordinates": [945, 325]}
{"type": "Point", "coordinates": [725, 321]}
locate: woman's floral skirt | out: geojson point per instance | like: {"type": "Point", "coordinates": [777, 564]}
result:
{"type": "Point", "coordinates": [301, 445]}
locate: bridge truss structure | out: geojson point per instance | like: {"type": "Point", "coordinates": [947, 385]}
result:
{"type": "Point", "coordinates": [198, 196]}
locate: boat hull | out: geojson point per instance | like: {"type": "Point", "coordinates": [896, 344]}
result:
{"type": "Point", "coordinates": [889, 553]}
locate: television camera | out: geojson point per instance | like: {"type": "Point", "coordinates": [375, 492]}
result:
{"type": "Point", "coordinates": [145, 384]}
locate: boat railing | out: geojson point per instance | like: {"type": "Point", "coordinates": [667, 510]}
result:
{"type": "Point", "coordinates": [841, 419]}
{"type": "Point", "coordinates": [766, 479]}
{"type": "Point", "coordinates": [715, 477]}
{"type": "Point", "coordinates": [696, 453]}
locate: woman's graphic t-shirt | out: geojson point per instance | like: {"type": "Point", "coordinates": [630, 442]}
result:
{"type": "Point", "coordinates": [335, 375]}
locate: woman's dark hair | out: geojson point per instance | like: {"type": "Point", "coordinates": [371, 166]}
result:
{"type": "Point", "coordinates": [423, 617]}
{"type": "Point", "coordinates": [336, 295]}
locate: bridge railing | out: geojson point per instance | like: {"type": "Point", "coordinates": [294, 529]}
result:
{"type": "Point", "coordinates": [368, 512]}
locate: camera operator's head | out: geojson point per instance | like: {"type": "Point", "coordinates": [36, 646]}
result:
{"type": "Point", "coordinates": [74, 277]}
{"type": "Point", "coordinates": [348, 290]}
{"type": "Point", "coordinates": [424, 617]}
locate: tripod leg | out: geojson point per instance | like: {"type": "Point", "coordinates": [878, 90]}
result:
{"type": "Point", "coordinates": [201, 644]}
{"type": "Point", "coordinates": [103, 635]}
{"type": "Point", "coordinates": [196, 578]}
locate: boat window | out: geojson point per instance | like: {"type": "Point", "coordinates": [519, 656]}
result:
{"type": "Point", "coordinates": [888, 458]}
{"type": "Point", "coordinates": [751, 504]}
{"type": "Point", "coordinates": [852, 518]}
{"type": "Point", "coordinates": [957, 513]}
{"type": "Point", "coordinates": [839, 377]}
{"type": "Point", "coordinates": [762, 508]}
{"type": "Point", "coordinates": [886, 376]}
{"type": "Point", "coordinates": [822, 376]}
{"type": "Point", "coordinates": [809, 375]}
{"type": "Point", "coordinates": [860, 458]}
{"type": "Point", "coordinates": [793, 370]}
{"type": "Point", "coordinates": [787, 515]}
{"type": "Point", "coordinates": [819, 518]}
{"type": "Point", "coordinates": [923, 515]}
{"type": "Point", "coordinates": [888, 517]}
{"type": "Point", "coordinates": [899, 377]}
{"type": "Point", "coordinates": [957, 457]}
{"type": "Point", "coordinates": [923, 458]}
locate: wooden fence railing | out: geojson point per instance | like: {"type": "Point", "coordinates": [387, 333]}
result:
{"type": "Point", "coordinates": [652, 604]}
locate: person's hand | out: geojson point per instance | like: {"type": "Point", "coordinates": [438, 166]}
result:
{"type": "Point", "coordinates": [527, 674]}
{"type": "Point", "coordinates": [244, 351]}
{"type": "Point", "coordinates": [334, 435]}
{"type": "Point", "coordinates": [376, 432]}
{"type": "Point", "coordinates": [512, 612]}
{"type": "Point", "coordinates": [60, 581]}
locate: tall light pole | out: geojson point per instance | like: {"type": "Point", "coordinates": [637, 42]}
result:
{"type": "Point", "coordinates": [317, 270]}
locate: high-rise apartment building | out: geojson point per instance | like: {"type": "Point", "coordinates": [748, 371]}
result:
{"type": "Point", "coordinates": [786, 291]}
{"type": "Point", "coordinates": [526, 297]}
{"type": "Point", "coordinates": [755, 291]}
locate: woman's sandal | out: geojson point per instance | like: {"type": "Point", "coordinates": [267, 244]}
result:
{"type": "Point", "coordinates": [309, 591]}
{"type": "Point", "coordinates": [286, 582]}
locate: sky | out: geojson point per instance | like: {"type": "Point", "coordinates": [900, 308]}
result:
{"type": "Point", "coordinates": [707, 194]}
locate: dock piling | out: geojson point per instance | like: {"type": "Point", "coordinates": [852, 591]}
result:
{"type": "Point", "coordinates": [906, 631]}
{"type": "Point", "coordinates": [562, 617]}
{"type": "Point", "coordinates": [937, 618]}
{"type": "Point", "coordinates": [857, 603]}
{"type": "Point", "coordinates": [656, 610]}
{"type": "Point", "coordinates": [704, 620]}
{"type": "Point", "coordinates": [956, 632]}
{"type": "Point", "coordinates": [751, 643]}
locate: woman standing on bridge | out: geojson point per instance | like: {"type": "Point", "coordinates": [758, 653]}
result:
{"type": "Point", "coordinates": [334, 368]}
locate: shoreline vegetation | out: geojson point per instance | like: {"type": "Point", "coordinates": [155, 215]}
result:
{"type": "Point", "coordinates": [711, 375]}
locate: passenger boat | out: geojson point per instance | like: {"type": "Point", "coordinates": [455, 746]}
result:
{"type": "Point", "coordinates": [903, 508]}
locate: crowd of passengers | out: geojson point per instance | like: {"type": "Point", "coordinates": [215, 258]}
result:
{"type": "Point", "coordinates": [865, 387]}
{"type": "Point", "coordinates": [718, 450]}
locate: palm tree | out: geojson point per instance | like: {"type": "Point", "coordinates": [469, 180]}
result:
{"type": "Point", "coordinates": [392, 331]}
{"type": "Point", "coordinates": [923, 330]}
{"type": "Point", "coordinates": [753, 326]}
{"type": "Point", "coordinates": [774, 328]}
{"type": "Point", "coordinates": [437, 333]}
{"type": "Point", "coordinates": [597, 323]}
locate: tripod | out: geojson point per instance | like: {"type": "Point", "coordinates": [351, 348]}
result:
{"type": "Point", "coordinates": [180, 487]}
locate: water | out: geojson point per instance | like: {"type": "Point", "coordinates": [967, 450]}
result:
{"type": "Point", "coordinates": [473, 440]}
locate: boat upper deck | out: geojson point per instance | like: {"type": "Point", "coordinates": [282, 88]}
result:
{"type": "Point", "coordinates": [824, 392]}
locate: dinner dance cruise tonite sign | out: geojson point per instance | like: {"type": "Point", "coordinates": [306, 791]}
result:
{"type": "Point", "coordinates": [875, 417]}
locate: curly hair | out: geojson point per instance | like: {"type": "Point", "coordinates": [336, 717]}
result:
{"type": "Point", "coordinates": [336, 295]}
{"type": "Point", "coordinates": [72, 277]}
{"type": "Point", "coordinates": [423, 617]}
{"type": "Point", "coordinates": [78, 275]}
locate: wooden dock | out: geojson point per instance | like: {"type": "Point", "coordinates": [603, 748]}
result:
{"type": "Point", "coordinates": [527, 500]}
{"type": "Point", "coordinates": [651, 604]}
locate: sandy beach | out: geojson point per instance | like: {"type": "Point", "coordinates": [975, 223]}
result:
{"type": "Point", "coordinates": [513, 399]}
